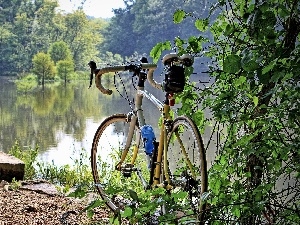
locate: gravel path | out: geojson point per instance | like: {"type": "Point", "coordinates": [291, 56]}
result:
{"type": "Point", "coordinates": [27, 207]}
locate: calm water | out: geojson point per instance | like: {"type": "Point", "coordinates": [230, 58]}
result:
{"type": "Point", "coordinates": [61, 120]}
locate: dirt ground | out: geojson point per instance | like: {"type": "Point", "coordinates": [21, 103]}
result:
{"type": "Point", "coordinates": [32, 207]}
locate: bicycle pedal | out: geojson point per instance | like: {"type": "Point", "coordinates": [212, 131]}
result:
{"type": "Point", "coordinates": [127, 174]}
{"type": "Point", "coordinates": [127, 170]}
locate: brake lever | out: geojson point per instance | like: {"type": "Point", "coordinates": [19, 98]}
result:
{"type": "Point", "coordinates": [93, 67]}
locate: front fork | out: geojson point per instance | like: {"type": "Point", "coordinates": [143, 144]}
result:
{"type": "Point", "coordinates": [132, 119]}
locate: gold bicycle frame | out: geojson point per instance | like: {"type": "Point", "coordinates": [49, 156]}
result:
{"type": "Point", "coordinates": [138, 116]}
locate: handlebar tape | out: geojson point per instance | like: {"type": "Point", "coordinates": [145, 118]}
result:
{"type": "Point", "coordinates": [100, 72]}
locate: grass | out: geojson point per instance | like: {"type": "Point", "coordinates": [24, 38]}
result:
{"type": "Point", "coordinates": [64, 177]}
{"type": "Point", "coordinates": [28, 156]}
{"type": "Point", "coordinates": [79, 176]}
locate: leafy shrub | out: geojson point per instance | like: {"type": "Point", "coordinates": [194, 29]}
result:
{"type": "Point", "coordinates": [67, 176]}
{"type": "Point", "coordinates": [28, 156]}
{"type": "Point", "coordinates": [27, 83]}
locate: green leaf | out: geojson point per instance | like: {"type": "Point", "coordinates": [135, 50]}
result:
{"type": "Point", "coordinates": [232, 64]}
{"type": "Point", "coordinates": [127, 212]}
{"type": "Point", "coordinates": [179, 43]}
{"type": "Point", "coordinates": [236, 211]}
{"type": "Point", "coordinates": [91, 206]}
{"type": "Point", "coordinates": [133, 195]}
{"type": "Point", "coordinates": [78, 193]}
{"type": "Point", "coordinates": [283, 11]}
{"type": "Point", "coordinates": [248, 61]}
{"type": "Point", "coordinates": [269, 19]}
{"type": "Point", "coordinates": [229, 29]}
{"type": "Point", "coordinates": [223, 160]}
{"type": "Point", "coordinates": [240, 81]}
{"type": "Point", "coordinates": [216, 186]}
{"type": "Point", "coordinates": [90, 214]}
{"type": "Point", "coordinates": [198, 117]}
{"type": "Point", "coordinates": [157, 50]}
{"type": "Point", "coordinates": [248, 174]}
{"type": "Point", "coordinates": [178, 16]}
{"type": "Point", "coordinates": [195, 44]}
{"type": "Point", "coordinates": [255, 100]}
{"type": "Point", "coordinates": [269, 67]}
{"type": "Point", "coordinates": [94, 204]}
{"type": "Point", "coordinates": [115, 220]}
{"type": "Point", "coordinates": [201, 24]}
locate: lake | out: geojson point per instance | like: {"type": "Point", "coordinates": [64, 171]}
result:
{"type": "Point", "coordinates": [62, 119]}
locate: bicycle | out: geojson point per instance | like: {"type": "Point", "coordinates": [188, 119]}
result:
{"type": "Point", "coordinates": [176, 162]}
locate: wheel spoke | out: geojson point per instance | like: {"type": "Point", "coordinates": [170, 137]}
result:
{"type": "Point", "coordinates": [107, 151]}
{"type": "Point", "coordinates": [187, 163]}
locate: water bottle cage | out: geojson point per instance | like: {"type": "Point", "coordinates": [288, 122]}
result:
{"type": "Point", "coordinates": [174, 79]}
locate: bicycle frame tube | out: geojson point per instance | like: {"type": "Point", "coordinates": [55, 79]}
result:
{"type": "Point", "coordinates": [163, 134]}
{"type": "Point", "coordinates": [155, 101]}
{"type": "Point", "coordinates": [139, 117]}
{"type": "Point", "coordinates": [165, 109]}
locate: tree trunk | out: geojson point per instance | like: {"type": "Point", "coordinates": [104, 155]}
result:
{"type": "Point", "coordinates": [255, 164]}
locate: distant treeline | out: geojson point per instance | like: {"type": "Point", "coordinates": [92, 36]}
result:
{"type": "Point", "coordinates": [30, 27]}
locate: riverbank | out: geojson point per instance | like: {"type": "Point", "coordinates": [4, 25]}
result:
{"type": "Point", "coordinates": [30, 204]}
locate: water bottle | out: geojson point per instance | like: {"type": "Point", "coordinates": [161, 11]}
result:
{"type": "Point", "coordinates": [148, 138]}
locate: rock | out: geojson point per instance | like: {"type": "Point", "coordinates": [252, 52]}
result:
{"type": "Point", "coordinates": [40, 186]}
{"type": "Point", "coordinates": [4, 184]}
{"type": "Point", "coordinates": [11, 167]}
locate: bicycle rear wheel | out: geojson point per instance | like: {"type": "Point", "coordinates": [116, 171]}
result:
{"type": "Point", "coordinates": [187, 166]}
{"type": "Point", "coordinates": [108, 146]}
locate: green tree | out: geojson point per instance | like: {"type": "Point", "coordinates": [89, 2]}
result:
{"type": "Point", "coordinates": [20, 18]}
{"type": "Point", "coordinates": [29, 27]}
{"type": "Point", "coordinates": [9, 10]}
{"type": "Point", "coordinates": [64, 69]}
{"type": "Point", "coordinates": [23, 50]}
{"type": "Point", "coordinates": [119, 37]}
{"type": "Point", "coordinates": [43, 67]}
{"type": "Point", "coordinates": [7, 42]}
{"type": "Point", "coordinates": [59, 51]}
{"type": "Point", "coordinates": [82, 36]}
{"type": "Point", "coordinates": [254, 62]}
{"type": "Point", "coordinates": [143, 23]}
{"type": "Point", "coordinates": [44, 25]}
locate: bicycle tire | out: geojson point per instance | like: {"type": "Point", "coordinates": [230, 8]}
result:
{"type": "Point", "coordinates": [178, 169]}
{"type": "Point", "coordinates": [107, 147]}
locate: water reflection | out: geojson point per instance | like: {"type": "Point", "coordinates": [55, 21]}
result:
{"type": "Point", "coordinates": [62, 120]}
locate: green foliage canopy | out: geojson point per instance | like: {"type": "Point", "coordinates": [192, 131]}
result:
{"type": "Point", "coordinates": [254, 61]}
{"type": "Point", "coordinates": [65, 68]}
{"type": "Point", "coordinates": [59, 51]}
{"type": "Point", "coordinates": [143, 23]}
{"type": "Point", "coordinates": [29, 27]}
{"type": "Point", "coordinates": [43, 66]}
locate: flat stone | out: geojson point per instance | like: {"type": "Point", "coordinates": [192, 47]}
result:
{"type": "Point", "coordinates": [40, 186]}
{"type": "Point", "coordinates": [11, 167]}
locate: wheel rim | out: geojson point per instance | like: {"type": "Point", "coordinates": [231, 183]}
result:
{"type": "Point", "coordinates": [108, 144]}
{"type": "Point", "coordinates": [187, 175]}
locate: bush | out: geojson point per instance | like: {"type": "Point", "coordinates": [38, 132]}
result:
{"type": "Point", "coordinates": [67, 176]}
{"type": "Point", "coordinates": [27, 83]}
{"type": "Point", "coordinates": [28, 156]}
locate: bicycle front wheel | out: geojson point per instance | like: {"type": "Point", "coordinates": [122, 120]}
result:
{"type": "Point", "coordinates": [107, 149]}
{"type": "Point", "coordinates": [187, 166]}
